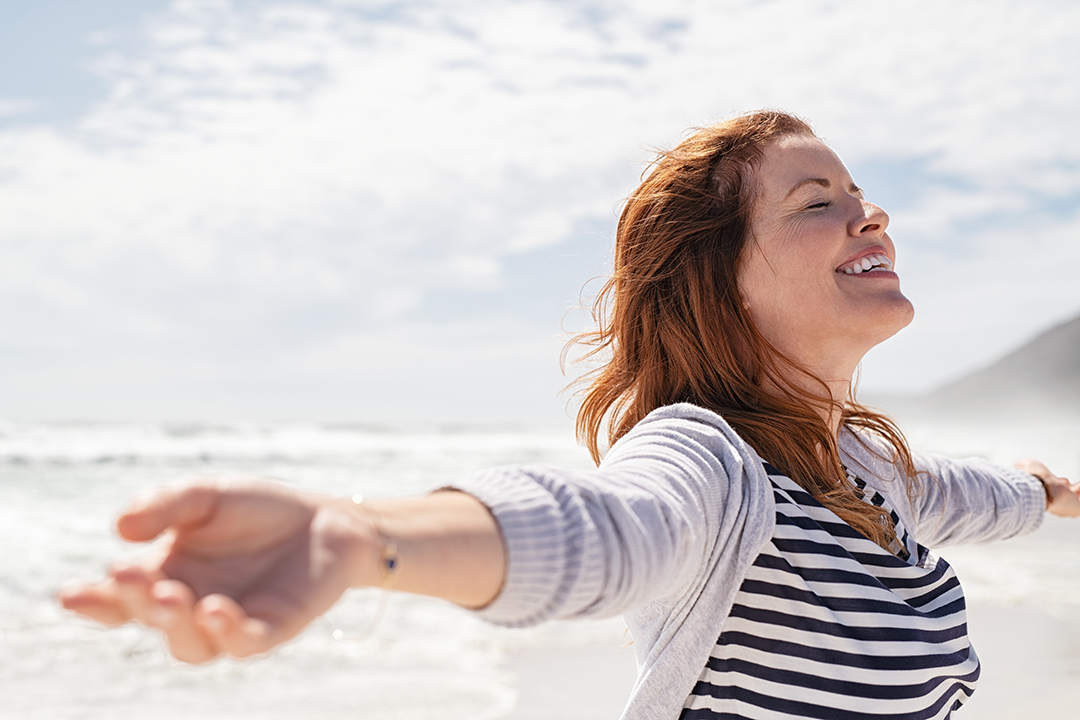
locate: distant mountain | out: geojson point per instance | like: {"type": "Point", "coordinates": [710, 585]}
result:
{"type": "Point", "coordinates": [1040, 378]}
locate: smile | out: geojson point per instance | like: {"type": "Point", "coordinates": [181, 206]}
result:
{"type": "Point", "coordinates": [870, 263]}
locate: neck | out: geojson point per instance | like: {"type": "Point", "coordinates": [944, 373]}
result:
{"type": "Point", "coordinates": [831, 365]}
{"type": "Point", "coordinates": [838, 392]}
{"type": "Point", "coordinates": [834, 365]}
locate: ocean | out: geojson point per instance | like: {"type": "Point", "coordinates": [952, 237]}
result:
{"type": "Point", "coordinates": [61, 486]}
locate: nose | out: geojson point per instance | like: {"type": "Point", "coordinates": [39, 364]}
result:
{"type": "Point", "coordinates": [872, 221]}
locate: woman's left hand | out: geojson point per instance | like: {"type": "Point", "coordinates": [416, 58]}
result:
{"type": "Point", "coordinates": [1062, 497]}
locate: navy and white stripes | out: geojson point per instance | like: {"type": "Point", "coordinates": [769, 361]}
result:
{"type": "Point", "coordinates": [827, 624]}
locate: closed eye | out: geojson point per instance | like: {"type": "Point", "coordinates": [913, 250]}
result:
{"type": "Point", "coordinates": [822, 204]}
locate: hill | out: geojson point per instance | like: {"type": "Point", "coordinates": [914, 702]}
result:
{"type": "Point", "coordinates": [1041, 378]}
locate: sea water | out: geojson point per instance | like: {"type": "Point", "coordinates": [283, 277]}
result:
{"type": "Point", "coordinates": [61, 486]}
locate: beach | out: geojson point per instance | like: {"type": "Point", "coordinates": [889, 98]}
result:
{"type": "Point", "coordinates": [62, 485]}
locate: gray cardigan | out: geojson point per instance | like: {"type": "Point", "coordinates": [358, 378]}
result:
{"type": "Point", "coordinates": [665, 529]}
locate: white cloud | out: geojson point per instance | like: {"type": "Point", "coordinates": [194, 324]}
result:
{"type": "Point", "coordinates": [10, 107]}
{"type": "Point", "coordinates": [268, 159]}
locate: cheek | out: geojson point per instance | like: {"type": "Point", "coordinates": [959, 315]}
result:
{"type": "Point", "coordinates": [766, 280]}
{"type": "Point", "coordinates": [755, 282]}
{"type": "Point", "coordinates": [764, 296]}
{"type": "Point", "coordinates": [786, 298]}
{"type": "Point", "coordinates": [757, 272]}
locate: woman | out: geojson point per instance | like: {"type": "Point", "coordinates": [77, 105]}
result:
{"type": "Point", "coordinates": [764, 534]}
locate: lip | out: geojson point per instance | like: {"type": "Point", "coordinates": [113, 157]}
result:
{"type": "Point", "coordinates": [867, 276]}
{"type": "Point", "coordinates": [875, 250]}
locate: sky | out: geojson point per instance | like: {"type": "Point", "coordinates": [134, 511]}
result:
{"type": "Point", "coordinates": [380, 211]}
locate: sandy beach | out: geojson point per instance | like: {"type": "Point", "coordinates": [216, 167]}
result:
{"type": "Point", "coordinates": [577, 683]}
{"type": "Point", "coordinates": [1031, 665]}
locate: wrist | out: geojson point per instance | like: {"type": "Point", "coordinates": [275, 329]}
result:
{"type": "Point", "coordinates": [1046, 491]}
{"type": "Point", "coordinates": [386, 556]}
{"type": "Point", "coordinates": [1062, 497]}
{"type": "Point", "coordinates": [353, 537]}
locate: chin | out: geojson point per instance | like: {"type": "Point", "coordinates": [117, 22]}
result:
{"type": "Point", "coordinates": [895, 317]}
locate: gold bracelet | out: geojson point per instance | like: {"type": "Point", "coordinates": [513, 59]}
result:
{"type": "Point", "coordinates": [389, 563]}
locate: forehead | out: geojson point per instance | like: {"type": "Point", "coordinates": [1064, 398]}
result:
{"type": "Point", "coordinates": [793, 159]}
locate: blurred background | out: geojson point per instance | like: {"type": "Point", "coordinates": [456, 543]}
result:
{"type": "Point", "coordinates": [342, 242]}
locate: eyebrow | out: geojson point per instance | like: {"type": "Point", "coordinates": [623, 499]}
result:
{"type": "Point", "coordinates": [823, 182]}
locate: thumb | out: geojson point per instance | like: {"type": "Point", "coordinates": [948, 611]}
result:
{"type": "Point", "coordinates": [163, 508]}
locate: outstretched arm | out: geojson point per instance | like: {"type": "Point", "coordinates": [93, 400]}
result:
{"type": "Point", "coordinates": [243, 565]}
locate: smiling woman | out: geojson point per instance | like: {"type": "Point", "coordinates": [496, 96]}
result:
{"type": "Point", "coordinates": [766, 536]}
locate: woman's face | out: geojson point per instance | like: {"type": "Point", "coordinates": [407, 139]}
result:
{"type": "Point", "coordinates": [817, 271]}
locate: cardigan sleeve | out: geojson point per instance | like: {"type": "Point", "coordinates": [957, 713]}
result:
{"type": "Point", "coordinates": [599, 542]}
{"type": "Point", "coordinates": [966, 501]}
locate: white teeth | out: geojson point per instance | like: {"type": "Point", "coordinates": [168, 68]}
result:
{"type": "Point", "coordinates": [879, 262]}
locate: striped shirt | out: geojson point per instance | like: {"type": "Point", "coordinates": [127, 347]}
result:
{"type": "Point", "coordinates": [827, 624]}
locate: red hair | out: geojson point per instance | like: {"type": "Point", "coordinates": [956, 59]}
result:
{"type": "Point", "coordinates": [673, 324]}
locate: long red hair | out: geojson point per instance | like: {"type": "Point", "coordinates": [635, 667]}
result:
{"type": "Point", "coordinates": [673, 328]}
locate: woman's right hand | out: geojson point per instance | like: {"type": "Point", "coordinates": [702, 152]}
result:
{"type": "Point", "coordinates": [242, 565]}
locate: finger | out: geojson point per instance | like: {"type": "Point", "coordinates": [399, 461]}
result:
{"type": "Point", "coordinates": [98, 602]}
{"type": "Point", "coordinates": [1074, 488]}
{"type": "Point", "coordinates": [173, 612]}
{"type": "Point", "coordinates": [154, 512]}
{"type": "Point", "coordinates": [226, 622]}
{"type": "Point", "coordinates": [132, 587]}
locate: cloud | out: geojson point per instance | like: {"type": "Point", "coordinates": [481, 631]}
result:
{"type": "Point", "coordinates": [10, 107]}
{"type": "Point", "coordinates": [291, 176]}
